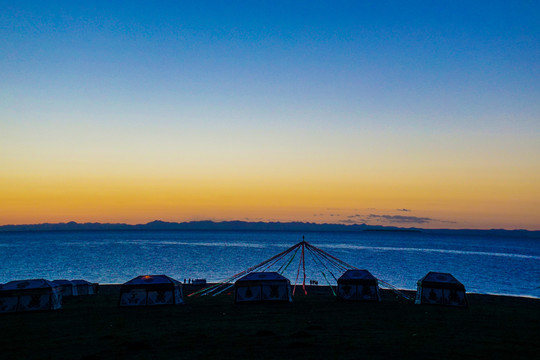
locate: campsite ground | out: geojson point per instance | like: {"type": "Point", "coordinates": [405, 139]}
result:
{"type": "Point", "coordinates": [314, 326]}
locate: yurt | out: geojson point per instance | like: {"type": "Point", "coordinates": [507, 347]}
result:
{"type": "Point", "coordinates": [440, 289]}
{"type": "Point", "coordinates": [30, 295]}
{"type": "Point", "coordinates": [151, 290]}
{"type": "Point", "coordinates": [263, 286]}
{"type": "Point", "coordinates": [67, 288]}
{"type": "Point", "coordinates": [84, 287]}
{"type": "Point", "coordinates": [358, 285]}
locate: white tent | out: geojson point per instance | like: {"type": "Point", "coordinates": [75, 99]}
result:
{"type": "Point", "coordinates": [151, 290]}
{"type": "Point", "coordinates": [67, 288]}
{"type": "Point", "coordinates": [263, 286]}
{"type": "Point", "coordinates": [30, 295]}
{"type": "Point", "coordinates": [83, 287]}
{"type": "Point", "coordinates": [440, 289]}
{"type": "Point", "coordinates": [358, 285]}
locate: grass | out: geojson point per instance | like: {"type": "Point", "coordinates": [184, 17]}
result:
{"type": "Point", "coordinates": [314, 326]}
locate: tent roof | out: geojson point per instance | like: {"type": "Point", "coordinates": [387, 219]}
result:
{"type": "Point", "coordinates": [440, 279]}
{"type": "Point", "coordinates": [356, 274]}
{"type": "Point", "coordinates": [151, 280]}
{"type": "Point", "coordinates": [28, 284]}
{"type": "Point", "coordinates": [62, 282]}
{"type": "Point", "coordinates": [81, 282]}
{"type": "Point", "coordinates": [263, 276]}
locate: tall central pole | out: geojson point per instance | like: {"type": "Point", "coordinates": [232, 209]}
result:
{"type": "Point", "coordinates": [304, 266]}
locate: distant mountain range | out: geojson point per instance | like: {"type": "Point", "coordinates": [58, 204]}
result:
{"type": "Point", "coordinates": [252, 226]}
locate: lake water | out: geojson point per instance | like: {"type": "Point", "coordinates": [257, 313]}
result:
{"type": "Point", "coordinates": [485, 264]}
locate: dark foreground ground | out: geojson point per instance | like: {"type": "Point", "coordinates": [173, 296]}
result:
{"type": "Point", "coordinates": [313, 327]}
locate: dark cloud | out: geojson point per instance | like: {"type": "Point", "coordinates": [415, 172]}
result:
{"type": "Point", "coordinates": [389, 219]}
{"type": "Point", "coordinates": [448, 222]}
{"type": "Point", "coordinates": [401, 219]}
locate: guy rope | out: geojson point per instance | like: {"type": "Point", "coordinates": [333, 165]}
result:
{"type": "Point", "coordinates": [325, 262]}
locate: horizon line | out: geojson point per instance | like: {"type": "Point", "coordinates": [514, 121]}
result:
{"type": "Point", "coordinates": [396, 227]}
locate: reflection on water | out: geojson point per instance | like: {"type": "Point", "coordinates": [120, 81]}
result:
{"type": "Point", "coordinates": [444, 251]}
{"type": "Point", "coordinates": [198, 243]}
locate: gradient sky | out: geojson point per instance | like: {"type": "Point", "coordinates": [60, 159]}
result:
{"type": "Point", "coordinates": [380, 112]}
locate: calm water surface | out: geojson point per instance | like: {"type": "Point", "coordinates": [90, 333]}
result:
{"type": "Point", "coordinates": [485, 264]}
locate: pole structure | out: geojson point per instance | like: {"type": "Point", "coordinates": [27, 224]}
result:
{"type": "Point", "coordinates": [304, 267]}
{"type": "Point", "coordinates": [224, 282]}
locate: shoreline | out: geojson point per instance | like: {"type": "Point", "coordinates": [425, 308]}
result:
{"type": "Point", "coordinates": [409, 291]}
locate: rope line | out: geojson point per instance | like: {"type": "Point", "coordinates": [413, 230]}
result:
{"type": "Point", "coordinates": [297, 274]}
{"type": "Point", "coordinates": [209, 289]}
{"type": "Point", "coordinates": [304, 270]}
{"type": "Point", "coordinates": [317, 258]}
{"type": "Point", "coordinates": [289, 263]}
{"type": "Point", "coordinates": [328, 259]}
{"type": "Point", "coordinates": [319, 263]}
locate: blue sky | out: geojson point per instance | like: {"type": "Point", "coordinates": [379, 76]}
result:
{"type": "Point", "coordinates": [422, 89]}
{"type": "Point", "coordinates": [457, 58]}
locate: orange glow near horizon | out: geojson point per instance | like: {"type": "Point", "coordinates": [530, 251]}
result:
{"type": "Point", "coordinates": [453, 202]}
{"type": "Point", "coordinates": [297, 174]}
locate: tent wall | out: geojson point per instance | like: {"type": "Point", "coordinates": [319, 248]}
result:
{"type": "Point", "coordinates": [66, 288]}
{"type": "Point", "coordinates": [358, 292]}
{"type": "Point", "coordinates": [440, 296]}
{"type": "Point", "coordinates": [178, 298]}
{"type": "Point", "coordinates": [455, 297]}
{"type": "Point", "coordinates": [133, 297]}
{"type": "Point", "coordinates": [84, 290]}
{"type": "Point", "coordinates": [8, 304]}
{"type": "Point", "coordinates": [276, 292]}
{"type": "Point", "coordinates": [56, 299]}
{"type": "Point", "coordinates": [248, 293]}
{"type": "Point", "coordinates": [34, 300]}
{"type": "Point", "coordinates": [263, 291]}
{"type": "Point", "coordinates": [69, 290]}
{"type": "Point", "coordinates": [161, 295]}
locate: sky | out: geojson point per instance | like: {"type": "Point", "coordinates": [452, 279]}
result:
{"type": "Point", "coordinates": [414, 114]}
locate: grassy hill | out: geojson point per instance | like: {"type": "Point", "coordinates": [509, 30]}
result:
{"type": "Point", "coordinates": [314, 326]}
